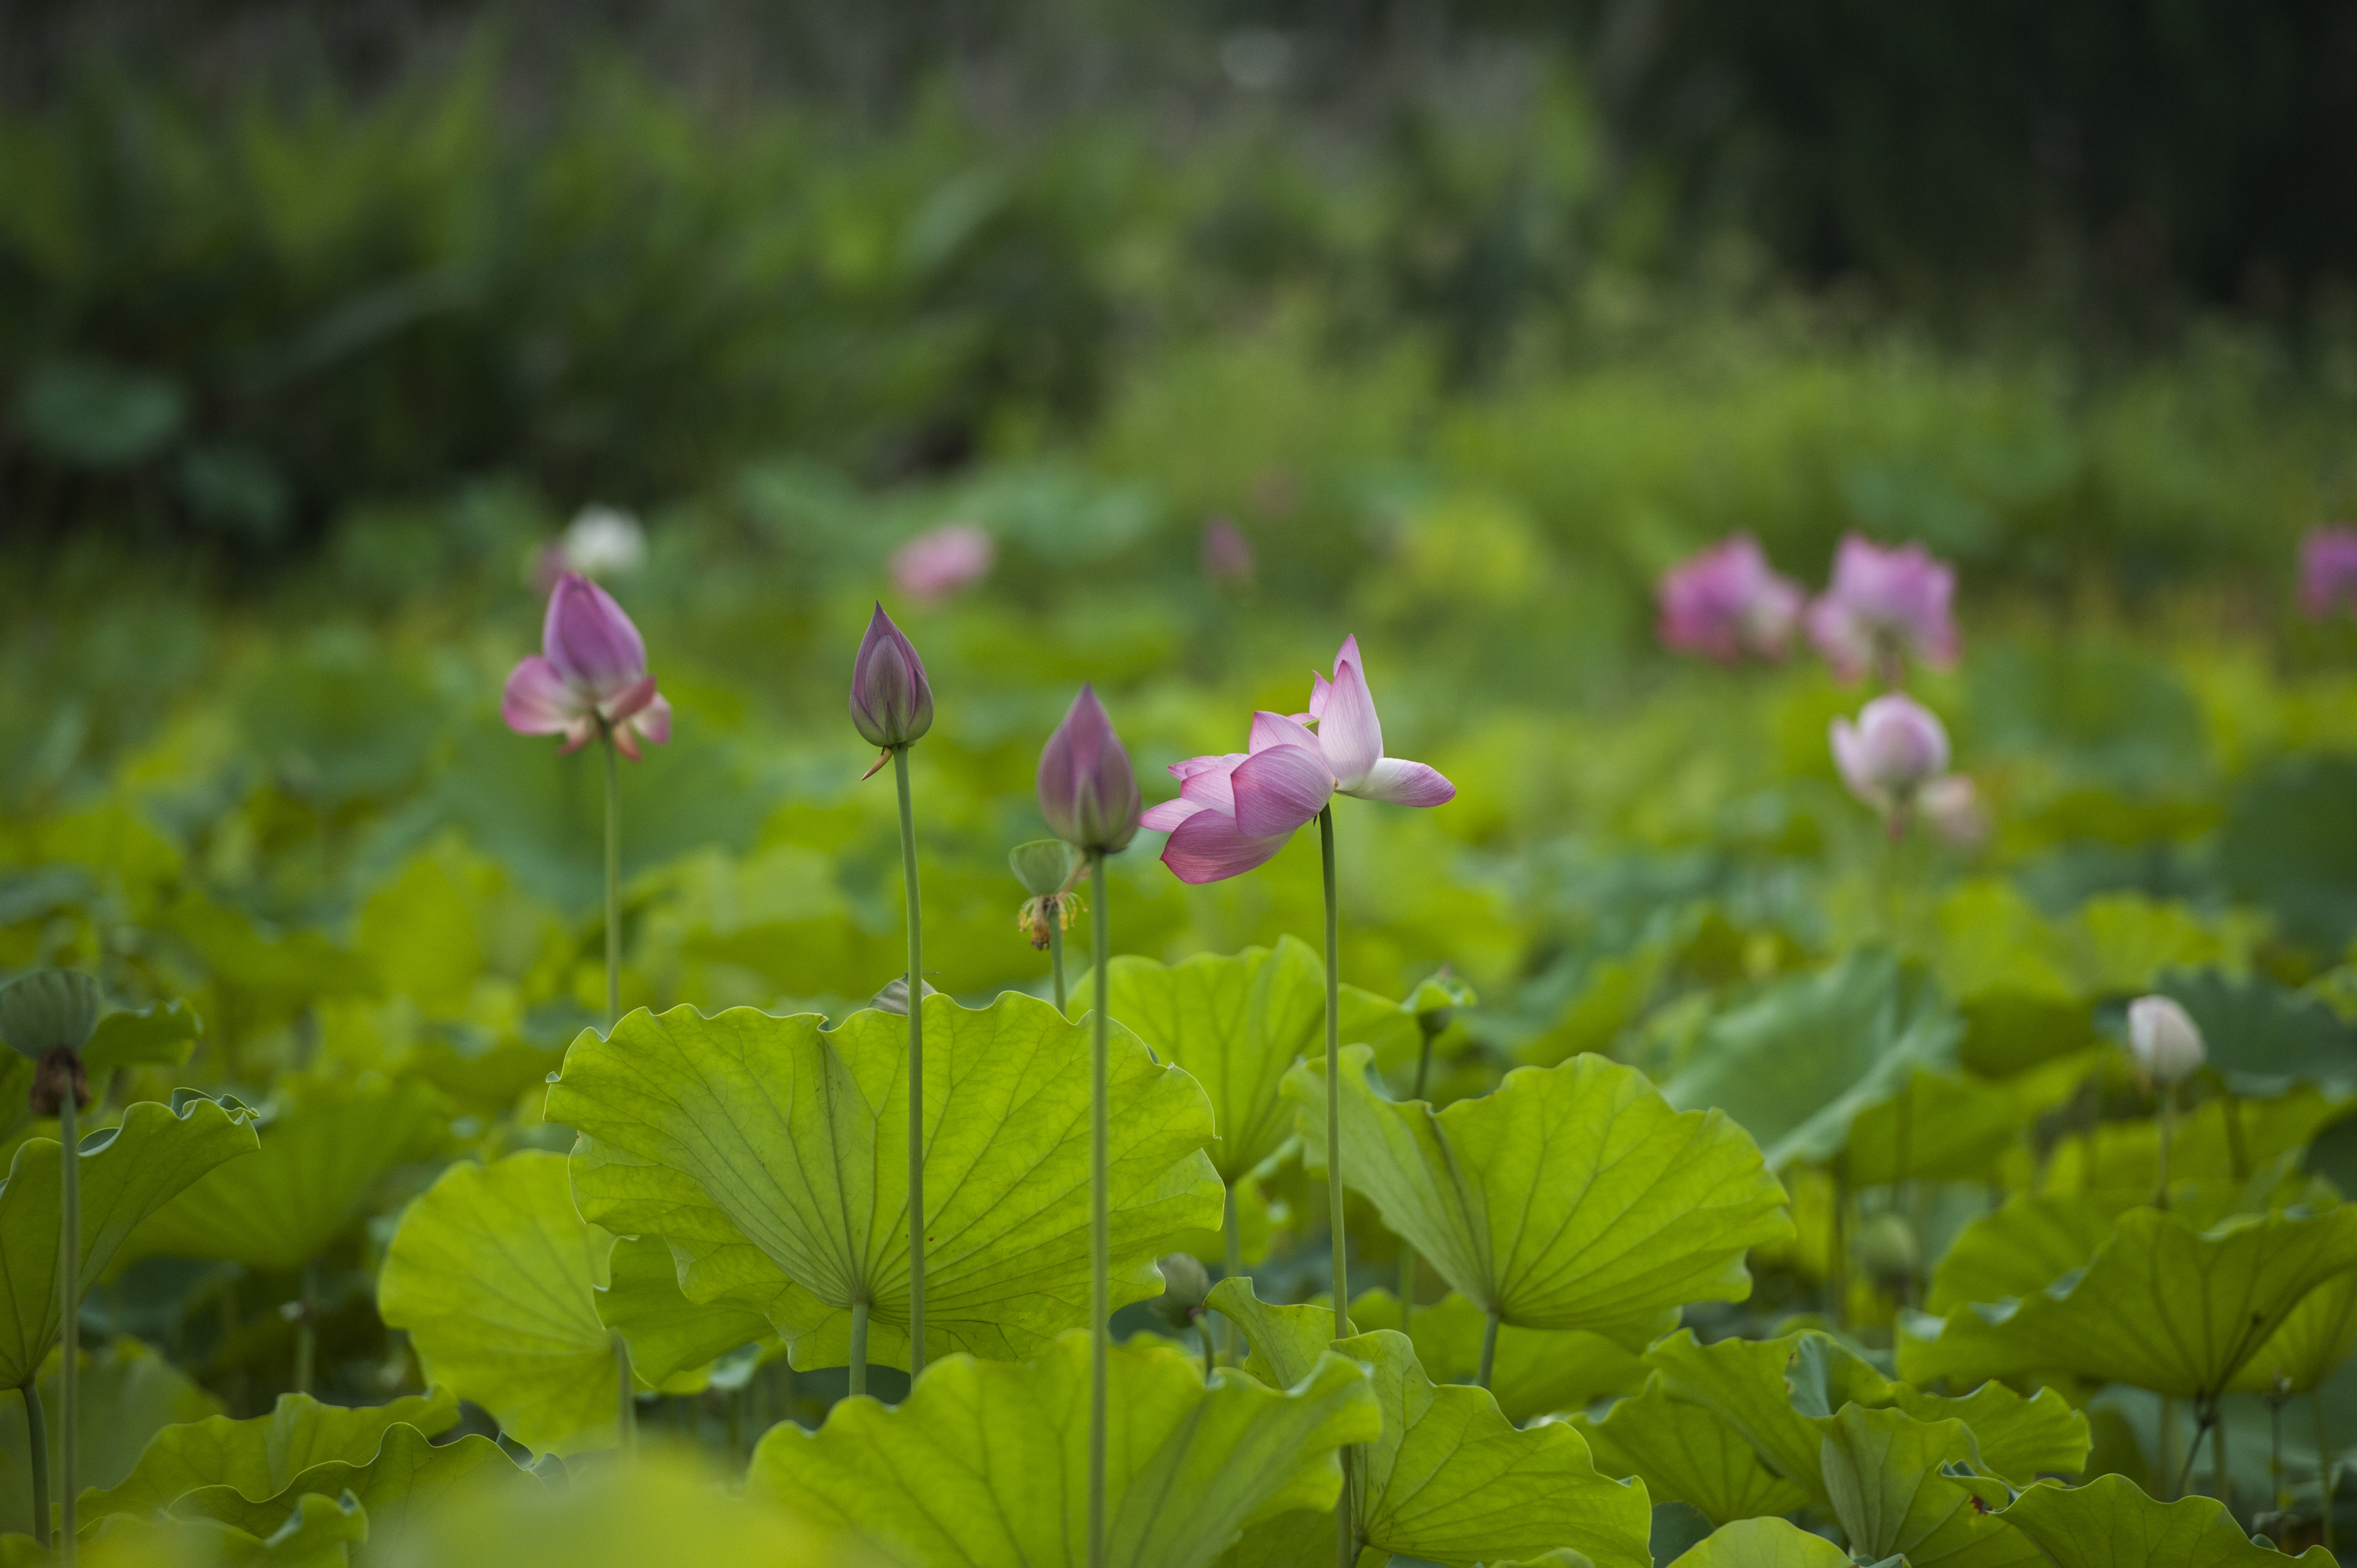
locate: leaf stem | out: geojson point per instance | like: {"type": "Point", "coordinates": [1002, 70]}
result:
{"type": "Point", "coordinates": [2168, 1127]}
{"type": "Point", "coordinates": [1489, 1349]}
{"type": "Point", "coordinates": [858, 1349]}
{"type": "Point", "coordinates": [1233, 1236]}
{"type": "Point", "coordinates": [1407, 1249]}
{"type": "Point", "coordinates": [1334, 1082]}
{"type": "Point", "coordinates": [1211, 1357]}
{"type": "Point", "coordinates": [37, 1444]}
{"type": "Point", "coordinates": [1100, 1228]}
{"type": "Point", "coordinates": [916, 1074]}
{"type": "Point", "coordinates": [626, 1406]}
{"type": "Point", "coordinates": [2203, 1419]}
{"type": "Point", "coordinates": [2221, 1480]}
{"type": "Point", "coordinates": [1056, 956]}
{"type": "Point", "coordinates": [307, 1329]}
{"type": "Point", "coordinates": [613, 883]}
{"type": "Point", "coordinates": [2166, 1442]}
{"type": "Point", "coordinates": [70, 1319]}
{"type": "Point", "coordinates": [2325, 1479]}
{"type": "Point", "coordinates": [1838, 1257]}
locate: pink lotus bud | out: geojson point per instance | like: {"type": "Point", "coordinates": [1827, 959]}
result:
{"type": "Point", "coordinates": [933, 566]}
{"type": "Point", "coordinates": [1725, 601]}
{"type": "Point", "coordinates": [589, 677]}
{"type": "Point", "coordinates": [2164, 1039]}
{"type": "Point", "coordinates": [1951, 805]}
{"type": "Point", "coordinates": [1227, 554]}
{"type": "Point", "coordinates": [1894, 748]}
{"type": "Point", "coordinates": [1885, 605]}
{"type": "Point", "coordinates": [890, 701]}
{"type": "Point", "coordinates": [1088, 792]}
{"type": "Point", "coordinates": [2328, 570]}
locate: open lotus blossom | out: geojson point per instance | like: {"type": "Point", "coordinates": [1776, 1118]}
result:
{"type": "Point", "coordinates": [2164, 1039]}
{"type": "Point", "coordinates": [1235, 811]}
{"type": "Point", "coordinates": [2328, 570]}
{"type": "Point", "coordinates": [589, 677]}
{"type": "Point", "coordinates": [939, 561]}
{"type": "Point", "coordinates": [1726, 601]}
{"type": "Point", "coordinates": [1896, 748]}
{"type": "Point", "coordinates": [1884, 605]}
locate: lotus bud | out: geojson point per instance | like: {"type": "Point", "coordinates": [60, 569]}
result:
{"type": "Point", "coordinates": [1185, 1285]}
{"type": "Point", "coordinates": [1887, 1251]}
{"type": "Point", "coordinates": [2164, 1039]}
{"type": "Point", "coordinates": [1088, 792]}
{"type": "Point", "coordinates": [1437, 998]}
{"type": "Point", "coordinates": [892, 703]}
{"type": "Point", "coordinates": [1896, 747]}
{"type": "Point", "coordinates": [49, 1016]}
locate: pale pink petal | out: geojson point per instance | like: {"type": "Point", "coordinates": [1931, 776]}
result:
{"type": "Point", "coordinates": [1161, 819]}
{"type": "Point", "coordinates": [629, 700]}
{"type": "Point", "coordinates": [537, 701]}
{"type": "Point", "coordinates": [626, 741]}
{"type": "Point", "coordinates": [1213, 788]}
{"type": "Point", "coordinates": [578, 733]}
{"type": "Point", "coordinates": [654, 721]}
{"type": "Point", "coordinates": [1194, 765]}
{"type": "Point", "coordinates": [1278, 789]}
{"type": "Point", "coordinates": [1276, 729]}
{"type": "Point", "coordinates": [1318, 688]}
{"type": "Point", "coordinates": [1349, 731]}
{"type": "Point", "coordinates": [1207, 847]}
{"type": "Point", "coordinates": [589, 640]}
{"type": "Point", "coordinates": [1405, 783]}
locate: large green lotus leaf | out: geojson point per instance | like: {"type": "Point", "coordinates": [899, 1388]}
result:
{"type": "Point", "coordinates": [2319, 1336]}
{"type": "Point", "coordinates": [127, 1172]}
{"type": "Point", "coordinates": [1685, 1453]}
{"type": "Point", "coordinates": [408, 1476]}
{"type": "Point", "coordinates": [1897, 1487]}
{"type": "Point", "coordinates": [1945, 1124]}
{"type": "Point", "coordinates": [1573, 1197]}
{"type": "Point", "coordinates": [2290, 843]}
{"type": "Point", "coordinates": [986, 1463]}
{"type": "Point", "coordinates": [773, 1153]}
{"type": "Point", "coordinates": [1798, 1065]}
{"type": "Point", "coordinates": [668, 1334]}
{"type": "Point", "coordinates": [494, 1274]}
{"type": "Point", "coordinates": [1536, 1371]}
{"type": "Point", "coordinates": [1764, 1543]}
{"type": "Point", "coordinates": [314, 1532]}
{"type": "Point", "coordinates": [2262, 1037]}
{"type": "Point", "coordinates": [318, 1165]}
{"type": "Point", "coordinates": [2110, 1523]}
{"type": "Point", "coordinates": [2163, 1305]}
{"type": "Point", "coordinates": [1234, 1023]}
{"type": "Point", "coordinates": [129, 1393]}
{"type": "Point", "coordinates": [2225, 1139]}
{"type": "Point", "coordinates": [2016, 1439]}
{"type": "Point", "coordinates": [160, 1036]}
{"type": "Point", "coordinates": [2026, 1244]}
{"type": "Point", "coordinates": [1284, 1341]}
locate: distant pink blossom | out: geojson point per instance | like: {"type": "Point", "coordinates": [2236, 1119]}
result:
{"type": "Point", "coordinates": [1726, 601]}
{"type": "Point", "coordinates": [1884, 605]}
{"type": "Point", "coordinates": [2328, 570]}
{"type": "Point", "coordinates": [940, 562]}
{"type": "Point", "coordinates": [1897, 747]}
{"type": "Point", "coordinates": [1950, 806]}
{"type": "Point", "coordinates": [1227, 553]}
{"type": "Point", "coordinates": [1235, 811]}
{"type": "Point", "coordinates": [589, 677]}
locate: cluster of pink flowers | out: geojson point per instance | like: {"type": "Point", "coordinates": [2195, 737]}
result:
{"type": "Point", "coordinates": [1884, 605]}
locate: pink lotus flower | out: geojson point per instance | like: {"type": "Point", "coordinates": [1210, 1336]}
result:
{"type": "Point", "coordinates": [1227, 553]}
{"type": "Point", "coordinates": [1883, 604]}
{"type": "Point", "coordinates": [2328, 570]}
{"type": "Point", "coordinates": [1896, 747]}
{"type": "Point", "coordinates": [590, 677]}
{"type": "Point", "coordinates": [1236, 811]}
{"type": "Point", "coordinates": [1726, 601]}
{"type": "Point", "coordinates": [935, 564]}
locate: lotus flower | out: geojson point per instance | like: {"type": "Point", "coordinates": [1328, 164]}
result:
{"type": "Point", "coordinates": [1227, 553]}
{"type": "Point", "coordinates": [892, 703]}
{"type": "Point", "coordinates": [935, 564]}
{"type": "Point", "coordinates": [1885, 604]}
{"type": "Point", "coordinates": [1088, 791]}
{"type": "Point", "coordinates": [590, 676]}
{"type": "Point", "coordinates": [1896, 747]}
{"type": "Point", "coordinates": [2328, 570]}
{"type": "Point", "coordinates": [1726, 601]}
{"type": "Point", "coordinates": [2164, 1039]}
{"type": "Point", "coordinates": [1236, 811]}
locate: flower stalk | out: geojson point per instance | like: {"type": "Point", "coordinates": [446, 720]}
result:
{"type": "Point", "coordinates": [37, 1444]}
{"type": "Point", "coordinates": [916, 1073]}
{"type": "Point", "coordinates": [1100, 1223]}
{"type": "Point", "coordinates": [626, 1407]}
{"type": "Point", "coordinates": [613, 885]}
{"type": "Point", "coordinates": [70, 1316]}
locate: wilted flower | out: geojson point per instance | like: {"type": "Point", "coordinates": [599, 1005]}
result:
{"type": "Point", "coordinates": [1227, 554]}
{"type": "Point", "coordinates": [936, 564]}
{"type": "Point", "coordinates": [589, 677]}
{"type": "Point", "coordinates": [2164, 1039]}
{"type": "Point", "coordinates": [1046, 868]}
{"type": "Point", "coordinates": [1088, 791]}
{"type": "Point", "coordinates": [1235, 811]}
{"type": "Point", "coordinates": [892, 703]}
{"type": "Point", "coordinates": [2328, 570]}
{"type": "Point", "coordinates": [1726, 601]}
{"type": "Point", "coordinates": [1951, 805]}
{"type": "Point", "coordinates": [1896, 747]}
{"type": "Point", "coordinates": [1885, 605]}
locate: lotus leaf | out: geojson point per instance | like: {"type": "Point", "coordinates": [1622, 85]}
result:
{"type": "Point", "coordinates": [2319, 1334]}
{"type": "Point", "coordinates": [1683, 1453]}
{"type": "Point", "coordinates": [1897, 1487]}
{"type": "Point", "coordinates": [160, 1036]}
{"type": "Point", "coordinates": [668, 1334]}
{"type": "Point", "coordinates": [1536, 1371]}
{"type": "Point", "coordinates": [129, 1393]}
{"type": "Point", "coordinates": [2109, 1523]}
{"type": "Point", "coordinates": [316, 1532]}
{"type": "Point", "coordinates": [1764, 1543]}
{"type": "Point", "coordinates": [1572, 1197]}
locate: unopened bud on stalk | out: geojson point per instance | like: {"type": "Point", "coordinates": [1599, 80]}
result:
{"type": "Point", "coordinates": [1088, 791]}
{"type": "Point", "coordinates": [892, 703]}
{"type": "Point", "coordinates": [1887, 1251]}
{"type": "Point", "coordinates": [1184, 1284]}
{"type": "Point", "coordinates": [1896, 747]}
{"type": "Point", "coordinates": [2164, 1039]}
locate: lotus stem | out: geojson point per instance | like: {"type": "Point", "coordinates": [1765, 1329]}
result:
{"type": "Point", "coordinates": [1056, 956]}
{"type": "Point", "coordinates": [625, 1405]}
{"type": "Point", "coordinates": [37, 1443]}
{"type": "Point", "coordinates": [2325, 1467]}
{"type": "Point", "coordinates": [1407, 1249]}
{"type": "Point", "coordinates": [1231, 1235]}
{"type": "Point", "coordinates": [858, 1349]}
{"type": "Point", "coordinates": [1334, 1082]}
{"type": "Point", "coordinates": [2166, 1444]}
{"type": "Point", "coordinates": [1211, 1357]}
{"type": "Point", "coordinates": [1100, 1227]}
{"type": "Point", "coordinates": [2276, 1498]}
{"type": "Point", "coordinates": [307, 1329]}
{"type": "Point", "coordinates": [613, 885]}
{"type": "Point", "coordinates": [69, 1319]}
{"type": "Point", "coordinates": [2204, 1418]}
{"type": "Point", "coordinates": [1838, 1257]}
{"type": "Point", "coordinates": [2221, 1480]}
{"type": "Point", "coordinates": [2168, 1128]}
{"type": "Point", "coordinates": [916, 1074]}
{"type": "Point", "coordinates": [1489, 1349]}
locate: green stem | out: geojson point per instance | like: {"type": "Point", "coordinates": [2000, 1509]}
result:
{"type": "Point", "coordinates": [2221, 1481]}
{"type": "Point", "coordinates": [2168, 1128]}
{"type": "Point", "coordinates": [1346, 1534]}
{"type": "Point", "coordinates": [1211, 1357]}
{"type": "Point", "coordinates": [613, 885]}
{"type": "Point", "coordinates": [625, 1404]}
{"type": "Point", "coordinates": [1056, 955]}
{"type": "Point", "coordinates": [1837, 1260]}
{"type": "Point", "coordinates": [2275, 1456]}
{"type": "Point", "coordinates": [858, 1349]}
{"type": "Point", "coordinates": [1407, 1251]}
{"type": "Point", "coordinates": [2325, 1479]}
{"type": "Point", "coordinates": [307, 1329]}
{"type": "Point", "coordinates": [37, 1444]}
{"type": "Point", "coordinates": [2166, 1445]}
{"type": "Point", "coordinates": [2202, 1420]}
{"type": "Point", "coordinates": [1489, 1349]}
{"type": "Point", "coordinates": [916, 1074]}
{"type": "Point", "coordinates": [1100, 1228]}
{"type": "Point", "coordinates": [70, 1319]}
{"type": "Point", "coordinates": [1233, 1236]}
